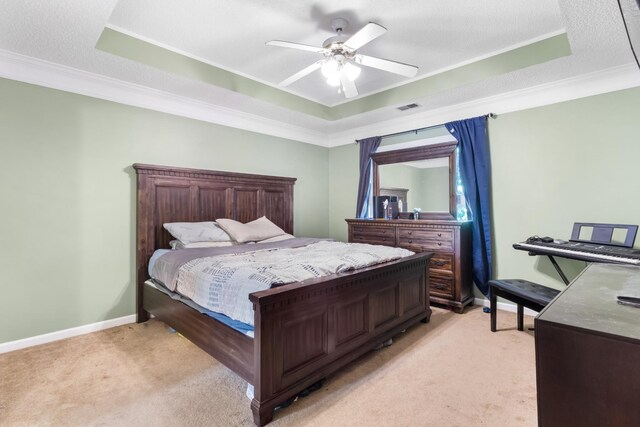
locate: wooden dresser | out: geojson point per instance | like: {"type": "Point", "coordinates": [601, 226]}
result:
{"type": "Point", "coordinates": [450, 268]}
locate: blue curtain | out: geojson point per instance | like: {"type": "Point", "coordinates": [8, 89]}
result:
{"type": "Point", "coordinates": [475, 172]}
{"type": "Point", "coordinates": [368, 146]}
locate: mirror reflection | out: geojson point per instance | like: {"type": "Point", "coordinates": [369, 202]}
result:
{"type": "Point", "coordinates": [422, 184]}
{"type": "Point", "coordinates": [423, 177]}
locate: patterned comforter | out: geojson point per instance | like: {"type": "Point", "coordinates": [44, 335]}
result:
{"type": "Point", "coordinates": [222, 283]}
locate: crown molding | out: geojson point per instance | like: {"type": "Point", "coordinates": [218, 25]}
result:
{"type": "Point", "coordinates": [595, 83]}
{"type": "Point", "coordinates": [44, 73]}
{"type": "Point", "coordinates": [31, 70]}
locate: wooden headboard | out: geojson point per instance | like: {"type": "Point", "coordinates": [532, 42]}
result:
{"type": "Point", "coordinates": [167, 194]}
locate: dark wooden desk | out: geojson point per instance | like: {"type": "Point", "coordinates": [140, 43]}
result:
{"type": "Point", "coordinates": [588, 351]}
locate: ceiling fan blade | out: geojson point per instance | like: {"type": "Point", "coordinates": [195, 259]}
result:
{"type": "Point", "coordinates": [387, 65]}
{"type": "Point", "coordinates": [367, 33]}
{"type": "Point", "coordinates": [300, 74]}
{"type": "Point", "coordinates": [348, 86]}
{"type": "Point", "coordinates": [298, 46]}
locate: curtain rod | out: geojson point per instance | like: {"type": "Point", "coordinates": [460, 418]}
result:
{"type": "Point", "coordinates": [489, 116]}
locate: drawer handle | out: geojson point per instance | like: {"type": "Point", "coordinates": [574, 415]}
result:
{"type": "Point", "coordinates": [384, 231]}
{"type": "Point", "coordinates": [440, 286]}
{"type": "Point", "coordinates": [410, 241]}
{"type": "Point", "coordinates": [384, 239]}
{"type": "Point", "coordinates": [411, 232]}
{"type": "Point", "coordinates": [440, 263]}
{"type": "Point", "coordinates": [439, 243]}
{"type": "Point", "coordinates": [439, 234]}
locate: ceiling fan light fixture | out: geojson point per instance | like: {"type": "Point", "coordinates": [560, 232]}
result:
{"type": "Point", "coordinates": [352, 71]}
{"type": "Point", "coordinates": [331, 68]}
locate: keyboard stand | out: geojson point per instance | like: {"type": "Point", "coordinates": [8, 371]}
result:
{"type": "Point", "coordinates": [553, 262]}
{"type": "Point", "coordinates": [558, 269]}
{"type": "Point", "coordinates": [555, 265]}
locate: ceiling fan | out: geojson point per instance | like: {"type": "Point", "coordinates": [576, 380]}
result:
{"type": "Point", "coordinates": [340, 57]}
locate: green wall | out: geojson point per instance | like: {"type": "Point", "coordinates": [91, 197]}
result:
{"type": "Point", "coordinates": [551, 166]}
{"type": "Point", "coordinates": [68, 195]}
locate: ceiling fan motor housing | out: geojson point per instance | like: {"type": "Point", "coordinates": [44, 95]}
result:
{"type": "Point", "coordinates": [335, 44]}
{"type": "Point", "coordinates": [339, 24]}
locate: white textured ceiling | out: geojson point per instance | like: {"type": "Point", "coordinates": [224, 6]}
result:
{"type": "Point", "coordinates": [434, 35]}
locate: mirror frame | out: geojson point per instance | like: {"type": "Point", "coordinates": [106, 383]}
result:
{"type": "Point", "coordinates": [447, 149]}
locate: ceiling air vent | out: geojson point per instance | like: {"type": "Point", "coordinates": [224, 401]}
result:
{"type": "Point", "coordinates": [408, 107]}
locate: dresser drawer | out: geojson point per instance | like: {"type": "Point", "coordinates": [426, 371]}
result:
{"type": "Point", "coordinates": [426, 239]}
{"type": "Point", "coordinates": [374, 235]}
{"type": "Point", "coordinates": [443, 263]}
{"type": "Point", "coordinates": [440, 285]}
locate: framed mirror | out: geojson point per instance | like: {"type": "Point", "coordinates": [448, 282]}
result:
{"type": "Point", "coordinates": [419, 177]}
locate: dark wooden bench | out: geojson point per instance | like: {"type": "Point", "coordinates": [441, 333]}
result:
{"type": "Point", "coordinates": [524, 293]}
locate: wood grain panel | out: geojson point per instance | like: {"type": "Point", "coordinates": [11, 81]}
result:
{"type": "Point", "coordinates": [213, 203]}
{"type": "Point", "coordinates": [274, 206]}
{"type": "Point", "coordinates": [246, 205]}
{"type": "Point", "coordinates": [351, 320]}
{"type": "Point", "coordinates": [384, 305]}
{"type": "Point", "coordinates": [173, 204]}
{"type": "Point", "coordinates": [304, 339]}
{"type": "Point", "coordinates": [410, 294]}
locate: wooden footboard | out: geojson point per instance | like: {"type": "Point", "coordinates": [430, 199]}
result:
{"type": "Point", "coordinates": [306, 331]}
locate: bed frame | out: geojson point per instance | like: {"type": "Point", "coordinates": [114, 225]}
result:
{"type": "Point", "coordinates": [303, 331]}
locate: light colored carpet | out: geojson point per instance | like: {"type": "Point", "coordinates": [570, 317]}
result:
{"type": "Point", "coordinates": [452, 371]}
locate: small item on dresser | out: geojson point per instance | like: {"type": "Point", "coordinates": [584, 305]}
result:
{"type": "Point", "coordinates": [385, 208]}
{"type": "Point", "coordinates": [400, 207]}
{"type": "Point", "coordinates": [416, 213]}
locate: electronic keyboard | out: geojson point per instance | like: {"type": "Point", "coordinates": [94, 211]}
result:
{"type": "Point", "coordinates": [591, 252]}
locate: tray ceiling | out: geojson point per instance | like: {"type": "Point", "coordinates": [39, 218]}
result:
{"type": "Point", "coordinates": [445, 39]}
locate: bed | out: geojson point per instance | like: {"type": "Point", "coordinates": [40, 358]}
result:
{"type": "Point", "coordinates": [302, 331]}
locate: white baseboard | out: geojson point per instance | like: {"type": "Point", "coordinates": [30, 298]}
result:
{"type": "Point", "coordinates": [66, 333]}
{"type": "Point", "coordinates": [505, 306]}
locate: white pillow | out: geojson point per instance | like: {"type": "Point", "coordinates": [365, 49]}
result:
{"type": "Point", "coordinates": [253, 231]}
{"type": "Point", "coordinates": [177, 244]}
{"type": "Point", "coordinates": [190, 232]}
